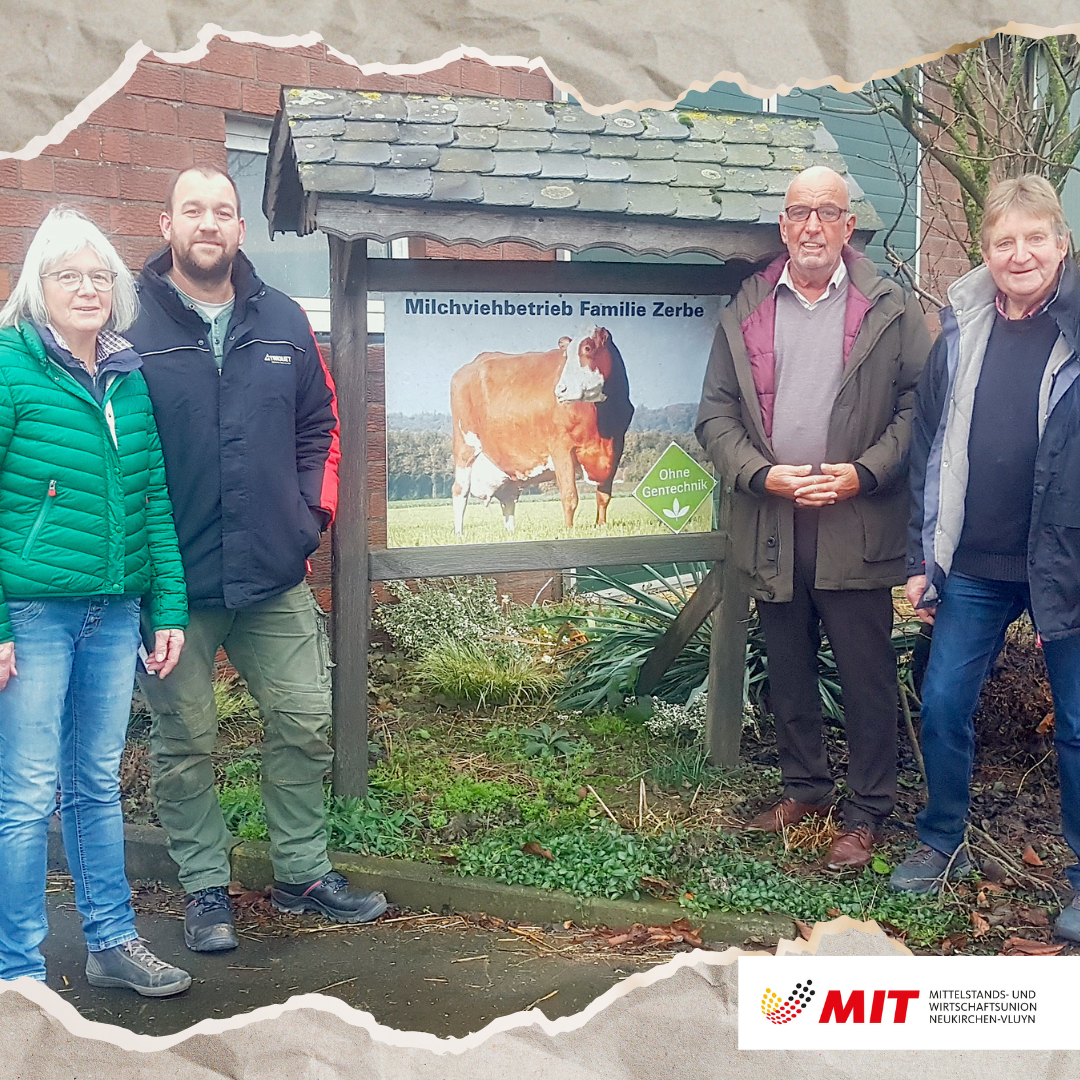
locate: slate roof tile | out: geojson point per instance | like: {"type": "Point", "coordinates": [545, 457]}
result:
{"type": "Point", "coordinates": [607, 169]}
{"type": "Point", "coordinates": [656, 149]}
{"type": "Point", "coordinates": [523, 140]}
{"type": "Point", "coordinates": [370, 153]}
{"type": "Point", "coordinates": [516, 163]}
{"type": "Point", "coordinates": [508, 190]}
{"type": "Point", "coordinates": [693, 150]}
{"type": "Point", "coordinates": [427, 110]}
{"type": "Point", "coordinates": [456, 187]}
{"type": "Point", "coordinates": [563, 166]}
{"type": "Point", "coordinates": [483, 112]}
{"type": "Point", "coordinates": [663, 125]}
{"type": "Point", "coordinates": [479, 138]}
{"type": "Point", "coordinates": [376, 106]}
{"type": "Point", "coordinates": [311, 128]}
{"type": "Point", "coordinates": [371, 130]}
{"type": "Point", "coordinates": [402, 183]}
{"type": "Point", "coordinates": [409, 157]}
{"type": "Point", "coordinates": [460, 159]}
{"type": "Point", "coordinates": [688, 163]}
{"type": "Point", "coordinates": [529, 116]}
{"type": "Point", "coordinates": [602, 198]}
{"type": "Point", "coordinates": [556, 194]}
{"type": "Point", "coordinates": [698, 174]}
{"type": "Point", "coordinates": [624, 123]}
{"type": "Point", "coordinates": [569, 142]}
{"type": "Point", "coordinates": [434, 134]}
{"type": "Point", "coordinates": [652, 172]}
{"type": "Point", "coordinates": [572, 119]}
{"type": "Point", "coordinates": [621, 146]}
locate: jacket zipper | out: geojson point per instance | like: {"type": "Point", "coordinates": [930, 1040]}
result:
{"type": "Point", "coordinates": [39, 520]}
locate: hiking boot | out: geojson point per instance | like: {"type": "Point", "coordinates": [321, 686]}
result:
{"type": "Point", "coordinates": [332, 896]}
{"type": "Point", "coordinates": [923, 871]}
{"type": "Point", "coordinates": [134, 967]}
{"type": "Point", "coordinates": [852, 848]}
{"type": "Point", "coordinates": [208, 921]}
{"type": "Point", "coordinates": [784, 813]}
{"type": "Point", "coordinates": [1067, 924]}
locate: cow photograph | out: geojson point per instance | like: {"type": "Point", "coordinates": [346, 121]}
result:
{"type": "Point", "coordinates": [504, 412]}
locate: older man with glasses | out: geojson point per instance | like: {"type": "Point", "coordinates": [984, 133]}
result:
{"type": "Point", "coordinates": [806, 412]}
{"type": "Point", "coordinates": [995, 527]}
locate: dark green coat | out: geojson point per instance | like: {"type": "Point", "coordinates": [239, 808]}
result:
{"type": "Point", "coordinates": [83, 511]}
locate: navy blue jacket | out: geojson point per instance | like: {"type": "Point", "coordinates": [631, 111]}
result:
{"type": "Point", "coordinates": [251, 453]}
{"type": "Point", "coordinates": [1054, 534]}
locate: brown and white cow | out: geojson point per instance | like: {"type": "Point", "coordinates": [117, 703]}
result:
{"type": "Point", "coordinates": [526, 417]}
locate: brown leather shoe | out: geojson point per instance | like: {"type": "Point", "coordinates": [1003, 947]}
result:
{"type": "Point", "coordinates": [852, 849]}
{"type": "Point", "coordinates": [784, 813]}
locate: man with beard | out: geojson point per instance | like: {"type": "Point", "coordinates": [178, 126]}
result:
{"type": "Point", "coordinates": [247, 417]}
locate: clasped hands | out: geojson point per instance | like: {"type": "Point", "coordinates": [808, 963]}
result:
{"type": "Point", "coordinates": [806, 488]}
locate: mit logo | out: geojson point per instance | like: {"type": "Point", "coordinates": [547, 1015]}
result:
{"type": "Point", "coordinates": [835, 1008]}
{"type": "Point", "coordinates": [781, 1012]}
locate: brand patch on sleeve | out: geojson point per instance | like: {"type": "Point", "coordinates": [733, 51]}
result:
{"type": "Point", "coordinates": [272, 359]}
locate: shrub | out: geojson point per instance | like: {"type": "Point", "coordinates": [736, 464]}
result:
{"type": "Point", "coordinates": [448, 609]}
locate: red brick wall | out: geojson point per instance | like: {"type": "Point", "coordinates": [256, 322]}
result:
{"type": "Point", "coordinates": [117, 165]}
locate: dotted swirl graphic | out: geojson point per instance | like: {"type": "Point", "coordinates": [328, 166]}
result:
{"type": "Point", "coordinates": [781, 1011]}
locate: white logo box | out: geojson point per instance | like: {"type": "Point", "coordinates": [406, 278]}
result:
{"type": "Point", "coordinates": [908, 1002]}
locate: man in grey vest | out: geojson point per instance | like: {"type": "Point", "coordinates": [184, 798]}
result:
{"type": "Point", "coordinates": [806, 412]}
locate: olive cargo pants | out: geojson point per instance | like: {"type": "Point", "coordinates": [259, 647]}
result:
{"type": "Point", "coordinates": [280, 649]}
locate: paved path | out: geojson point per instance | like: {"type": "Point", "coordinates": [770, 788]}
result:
{"type": "Point", "coordinates": [444, 979]}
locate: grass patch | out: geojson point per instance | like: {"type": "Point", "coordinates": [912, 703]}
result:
{"type": "Point", "coordinates": [485, 676]}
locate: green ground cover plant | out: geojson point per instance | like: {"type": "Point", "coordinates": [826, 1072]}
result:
{"type": "Point", "coordinates": [619, 799]}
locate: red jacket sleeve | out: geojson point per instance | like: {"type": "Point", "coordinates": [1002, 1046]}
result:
{"type": "Point", "coordinates": [318, 445]}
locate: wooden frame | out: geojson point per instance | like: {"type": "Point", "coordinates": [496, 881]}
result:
{"type": "Point", "coordinates": [354, 276]}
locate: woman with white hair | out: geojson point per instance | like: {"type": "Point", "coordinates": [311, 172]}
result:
{"type": "Point", "coordinates": [86, 538]}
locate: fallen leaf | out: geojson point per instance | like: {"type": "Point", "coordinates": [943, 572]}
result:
{"type": "Point", "coordinates": [236, 889]}
{"type": "Point", "coordinates": [804, 930]}
{"type": "Point", "coordinates": [568, 924]}
{"type": "Point", "coordinates": [954, 943]}
{"type": "Point", "coordinates": [833, 912]}
{"type": "Point", "coordinates": [993, 871]}
{"type": "Point", "coordinates": [1018, 946]}
{"type": "Point", "coordinates": [636, 935]}
{"type": "Point", "coordinates": [993, 886]}
{"type": "Point", "coordinates": [1035, 916]}
{"type": "Point", "coordinates": [657, 884]}
{"type": "Point", "coordinates": [892, 929]}
{"type": "Point", "coordinates": [533, 848]}
{"type": "Point", "coordinates": [1030, 857]}
{"type": "Point", "coordinates": [1046, 724]}
{"type": "Point", "coordinates": [982, 926]}
{"type": "Point", "coordinates": [450, 860]}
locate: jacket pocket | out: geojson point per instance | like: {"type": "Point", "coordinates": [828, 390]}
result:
{"type": "Point", "coordinates": [884, 523]}
{"type": "Point", "coordinates": [42, 514]}
{"type": "Point", "coordinates": [746, 511]}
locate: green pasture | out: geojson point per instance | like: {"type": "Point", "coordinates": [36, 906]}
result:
{"type": "Point", "coordinates": [429, 522]}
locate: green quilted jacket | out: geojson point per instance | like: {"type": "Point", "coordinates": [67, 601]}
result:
{"type": "Point", "coordinates": [84, 509]}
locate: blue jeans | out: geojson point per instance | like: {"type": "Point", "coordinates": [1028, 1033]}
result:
{"type": "Point", "coordinates": [63, 721]}
{"type": "Point", "coordinates": [969, 630]}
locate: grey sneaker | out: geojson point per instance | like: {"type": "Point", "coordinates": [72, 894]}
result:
{"type": "Point", "coordinates": [923, 871]}
{"type": "Point", "coordinates": [134, 967]}
{"type": "Point", "coordinates": [1067, 924]}
{"type": "Point", "coordinates": [208, 921]}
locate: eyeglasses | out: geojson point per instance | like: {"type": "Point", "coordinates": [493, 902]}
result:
{"type": "Point", "coordinates": [102, 280]}
{"type": "Point", "coordinates": [826, 212]}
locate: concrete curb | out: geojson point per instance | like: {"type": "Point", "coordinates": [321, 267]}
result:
{"type": "Point", "coordinates": [426, 887]}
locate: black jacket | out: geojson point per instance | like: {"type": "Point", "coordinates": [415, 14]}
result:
{"type": "Point", "coordinates": [1054, 533]}
{"type": "Point", "coordinates": [251, 452]}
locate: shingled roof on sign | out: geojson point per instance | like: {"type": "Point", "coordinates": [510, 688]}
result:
{"type": "Point", "coordinates": [471, 152]}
